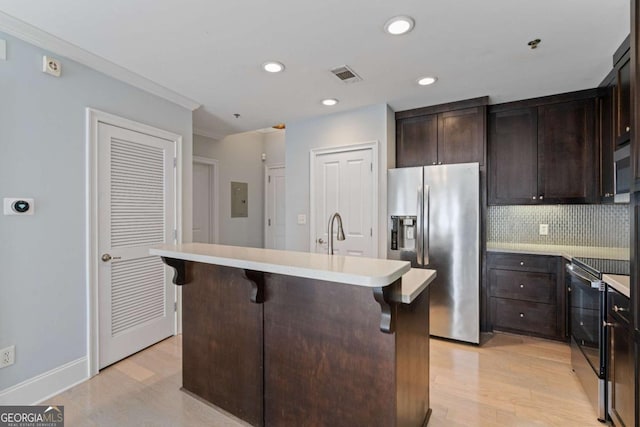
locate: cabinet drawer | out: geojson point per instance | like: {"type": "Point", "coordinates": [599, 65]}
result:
{"type": "Point", "coordinates": [522, 285]}
{"type": "Point", "coordinates": [522, 262]}
{"type": "Point", "coordinates": [524, 316]}
{"type": "Point", "coordinates": [619, 305]}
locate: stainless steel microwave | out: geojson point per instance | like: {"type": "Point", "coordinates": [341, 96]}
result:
{"type": "Point", "coordinates": [622, 174]}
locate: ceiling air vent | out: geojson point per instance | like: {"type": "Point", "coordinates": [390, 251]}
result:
{"type": "Point", "coordinates": [346, 74]}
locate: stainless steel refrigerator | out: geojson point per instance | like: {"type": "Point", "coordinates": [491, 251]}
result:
{"type": "Point", "coordinates": [434, 222]}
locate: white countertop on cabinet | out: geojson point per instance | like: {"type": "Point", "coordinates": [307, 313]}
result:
{"type": "Point", "coordinates": [567, 252]}
{"type": "Point", "coordinates": [619, 283]}
{"type": "Point", "coordinates": [358, 271]}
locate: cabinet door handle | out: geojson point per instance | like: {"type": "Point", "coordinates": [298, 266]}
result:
{"type": "Point", "coordinates": [433, 163]}
{"type": "Point", "coordinates": [439, 163]}
{"type": "Point", "coordinates": [607, 324]}
{"type": "Point", "coordinates": [534, 198]}
{"type": "Point", "coordinates": [541, 197]}
{"type": "Point", "coordinates": [608, 194]}
{"type": "Point", "coordinates": [521, 286]}
{"type": "Point", "coordinates": [618, 309]}
{"type": "Point", "coordinates": [521, 262]}
{"type": "Point", "coordinates": [521, 314]}
{"type": "Point", "coordinates": [627, 128]}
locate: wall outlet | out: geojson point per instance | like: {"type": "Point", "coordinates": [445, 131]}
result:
{"type": "Point", "coordinates": [7, 356]}
{"type": "Point", "coordinates": [544, 229]}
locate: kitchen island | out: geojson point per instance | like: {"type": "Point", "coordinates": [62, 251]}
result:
{"type": "Point", "coordinates": [281, 338]}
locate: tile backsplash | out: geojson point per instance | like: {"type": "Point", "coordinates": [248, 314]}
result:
{"type": "Point", "coordinates": [575, 225]}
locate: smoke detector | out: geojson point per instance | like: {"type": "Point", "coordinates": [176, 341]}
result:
{"type": "Point", "coordinates": [346, 74]}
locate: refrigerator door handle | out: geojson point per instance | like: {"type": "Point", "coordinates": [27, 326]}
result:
{"type": "Point", "coordinates": [425, 219]}
{"type": "Point", "coordinates": [419, 239]}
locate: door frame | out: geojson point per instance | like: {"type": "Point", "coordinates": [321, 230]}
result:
{"type": "Point", "coordinates": [93, 118]}
{"type": "Point", "coordinates": [267, 169]}
{"type": "Point", "coordinates": [214, 225]}
{"type": "Point", "coordinates": [315, 152]}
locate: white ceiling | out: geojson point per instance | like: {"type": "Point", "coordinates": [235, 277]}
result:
{"type": "Point", "coordinates": [211, 51]}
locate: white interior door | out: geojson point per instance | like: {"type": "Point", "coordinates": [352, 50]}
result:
{"type": "Point", "coordinates": [275, 208]}
{"type": "Point", "coordinates": [204, 202]}
{"type": "Point", "coordinates": [343, 182]}
{"type": "Point", "coordinates": [137, 209]}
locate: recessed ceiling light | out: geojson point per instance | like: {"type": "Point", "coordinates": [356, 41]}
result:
{"type": "Point", "coordinates": [329, 102]}
{"type": "Point", "coordinates": [425, 81]}
{"type": "Point", "coordinates": [273, 67]}
{"type": "Point", "coordinates": [399, 25]}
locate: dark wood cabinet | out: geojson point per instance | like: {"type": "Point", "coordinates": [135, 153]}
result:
{"type": "Point", "coordinates": [417, 141]}
{"type": "Point", "coordinates": [621, 364]}
{"type": "Point", "coordinates": [606, 138]}
{"type": "Point", "coordinates": [544, 150]}
{"type": "Point", "coordinates": [567, 170]}
{"type": "Point", "coordinates": [442, 134]}
{"type": "Point", "coordinates": [461, 136]}
{"type": "Point", "coordinates": [622, 99]}
{"type": "Point", "coordinates": [526, 294]}
{"type": "Point", "coordinates": [513, 156]}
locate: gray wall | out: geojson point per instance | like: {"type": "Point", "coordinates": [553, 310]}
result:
{"type": "Point", "coordinates": [42, 155]}
{"type": "Point", "coordinates": [274, 147]}
{"type": "Point", "coordinates": [351, 127]}
{"type": "Point", "coordinates": [579, 225]}
{"type": "Point", "coordinates": [239, 159]}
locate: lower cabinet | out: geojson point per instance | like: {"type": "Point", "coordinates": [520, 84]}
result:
{"type": "Point", "coordinates": [621, 363]}
{"type": "Point", "coordinates": [526, 294]}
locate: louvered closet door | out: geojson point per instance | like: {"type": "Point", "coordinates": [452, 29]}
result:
{"type": "Point", "coordinates": [136, 187]}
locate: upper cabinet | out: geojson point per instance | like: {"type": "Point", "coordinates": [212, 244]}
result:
{"type": "Point", "coordinates": [606, 135]}
{"type": "Point", "coordinates": [442, 134]}
{"type": "Point", "coordinates": [543, 150]}
{"type": "Point", "coordinates": [622, 98]}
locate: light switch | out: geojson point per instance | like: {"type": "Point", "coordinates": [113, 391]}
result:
{"type": "Point", "coordinates": [544, 229]}
{"type": "Point", "coordinates": [3, 50]}
{"type": "Point", "coordinates": [302, 219]}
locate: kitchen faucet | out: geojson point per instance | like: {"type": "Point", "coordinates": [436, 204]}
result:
{"type": "Point", "coordinates": [330, 231]}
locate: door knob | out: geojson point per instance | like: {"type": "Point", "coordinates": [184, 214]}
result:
{"type": "Point", "coordinates": [108, 257]}
{"type": "Point", "coordinates": [320, 240]}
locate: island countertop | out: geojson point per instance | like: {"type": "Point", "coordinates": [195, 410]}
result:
{"type": "Point", "coordinates": [358, 271]}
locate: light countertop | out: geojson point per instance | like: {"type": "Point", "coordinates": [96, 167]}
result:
{"type": "Point", "coordinates": [359, 271]}
{"type": "Point", "coordinates": [413, 283]}
{"type": "Point", "coordinates": [619, 283]}
{"type": "Point", "coordinates": [567, 252]}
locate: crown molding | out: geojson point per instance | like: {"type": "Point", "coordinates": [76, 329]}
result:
{"type": "Point", "coordinates": [44, 40]}
{"type": "Point", "coordinates": [208, 133]}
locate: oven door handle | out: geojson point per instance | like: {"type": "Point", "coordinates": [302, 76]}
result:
{"type": "Point", "coordinates": [595, 284]}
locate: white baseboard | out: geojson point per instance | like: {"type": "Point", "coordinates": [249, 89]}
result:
{"type": "Point", "coordinates": [46, 385]}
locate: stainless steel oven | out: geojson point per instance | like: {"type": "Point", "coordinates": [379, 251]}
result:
{"type": "Point", "coordinates": [589, 334]}
{"type": "Point", "coordinates": [587, 303]}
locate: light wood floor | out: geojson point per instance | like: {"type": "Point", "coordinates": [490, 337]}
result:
{"type": "Point", "coordinates": [509, 381]}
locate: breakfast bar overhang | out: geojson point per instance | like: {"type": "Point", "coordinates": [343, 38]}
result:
{"type": "Point", "coordinates": [280, 338]}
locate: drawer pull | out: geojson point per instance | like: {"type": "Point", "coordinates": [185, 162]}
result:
{"type": "Point", "coordinates": [521, 314]}
{"type": "Point", "coordinates": [627, 129]}
{"type": "Point", "coordinates": [521, 286]}
{"type": "Point", "coordinates": [608, 324]}
{"type": "Point", "coordinates": [521, 262]}
{"type": "Point", "coordinates": [617, 309]}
